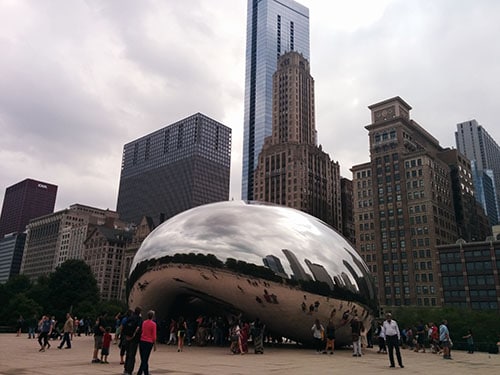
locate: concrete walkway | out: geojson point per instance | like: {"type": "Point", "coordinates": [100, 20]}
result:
{"type": "Point", "coordinates": [19, 356]}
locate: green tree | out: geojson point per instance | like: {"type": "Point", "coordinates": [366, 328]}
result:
{"type": "Point", "coordinates": [22, 305]}
{"type": "Point", "coordinates": [70, 285]}
{"type": "Point", "coordinates": [39, 292]}
{"type": "Point", "coordinates": [14, 286]}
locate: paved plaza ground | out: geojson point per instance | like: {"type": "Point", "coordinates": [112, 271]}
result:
{"type": "Point", "coordinates": [20, 356]}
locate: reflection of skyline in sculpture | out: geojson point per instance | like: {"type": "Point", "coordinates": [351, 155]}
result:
{"type": "Point", "coordinates": [251, 259]}
{"type": "Point", "coordinates": [319, 272]}
{"type": "Point", "coordinates": [274, 263]}
{"type": "Point", "coordinates": [298, 271]}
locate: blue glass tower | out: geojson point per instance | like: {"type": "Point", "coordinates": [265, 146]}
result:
{"type": "Point", "coordinates": [273, 28]}
{"type": "Point", "coordinates": [479, 146]}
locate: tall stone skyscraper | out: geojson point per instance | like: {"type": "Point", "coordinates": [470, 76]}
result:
{"type": "Point", "coordinates": [273, 28]}
{"type": "Point", "coordinates": [403, 206]}
{"type": "Point", "coordinates": [483, 151]}
{"type": "Point", "coordinates": [181, 166]}
{"type": "Point", "coordinates": [292, 170]}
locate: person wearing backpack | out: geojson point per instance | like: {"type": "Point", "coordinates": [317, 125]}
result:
{"type": "Point", "coordinates": [99, 329]}
{"type": "Point", "coordinates": [132, 332]}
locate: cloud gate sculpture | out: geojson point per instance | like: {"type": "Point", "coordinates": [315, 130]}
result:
{"type": "Point", "coordinates": [259, 260]}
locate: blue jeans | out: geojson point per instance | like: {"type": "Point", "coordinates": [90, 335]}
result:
{"type": "Point", "coordinates": [31, 332]}
{"type": "Point", "coordinates": [66, 340]}
{"type": "Point", "coordinates": [144, 351]}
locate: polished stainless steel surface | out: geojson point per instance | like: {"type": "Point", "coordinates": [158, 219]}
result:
{"type": "Point", "coordinates": [299, 248]}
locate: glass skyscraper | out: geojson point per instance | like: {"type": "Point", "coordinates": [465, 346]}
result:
{"type": "Point", "coordinates": [481, 148]}
{"type": "Point", "coordinates": [273, 28]}
{"type": "Point", "coordinates": [181, 166]}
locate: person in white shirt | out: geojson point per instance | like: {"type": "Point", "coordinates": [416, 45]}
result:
{"type": "Point", "coordinates": [392, 336]}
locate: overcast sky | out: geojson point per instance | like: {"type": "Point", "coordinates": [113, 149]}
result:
{"type": "Point", "coordinates": [79, 79]}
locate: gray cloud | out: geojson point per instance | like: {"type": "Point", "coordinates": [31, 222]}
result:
{"type": "Point", "coordinates": [80, 79]}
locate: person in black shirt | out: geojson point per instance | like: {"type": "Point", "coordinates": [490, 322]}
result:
{"type": "Point", "coordinates": [132, 332]}
{"type": "Point", "coordinates": [99, 329]}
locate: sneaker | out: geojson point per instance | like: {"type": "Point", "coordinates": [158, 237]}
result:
{"type": "Point", "coordinates": [96, 360]}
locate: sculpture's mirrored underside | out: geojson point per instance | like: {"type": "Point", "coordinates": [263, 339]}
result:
{"type": "Point", "coordinates": [259, 260]}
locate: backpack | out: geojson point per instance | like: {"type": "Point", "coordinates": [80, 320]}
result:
{"type": "Point", "coordinates": [130, 326]}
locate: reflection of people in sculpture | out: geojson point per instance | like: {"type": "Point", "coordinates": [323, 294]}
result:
{"type": "Point", "coordinates": [311, 309]}
{"type": "Point", "coordinates": [345, 318]}
{"type": "Point", "coordinates": [267, 296]}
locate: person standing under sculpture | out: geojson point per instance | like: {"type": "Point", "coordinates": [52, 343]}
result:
{"type": "Point", "coordinates": [392, 336]}
{"type": "Point", "coordinates": [330, 337]}
{"type": "Point", "coordinates": [181, 333]}
{"type": "Point", "coordinates": [258, 336]}
{"type": "Point", "coordinates": [318, 332]}
{"type": "Point", "coordinates": [356, 328]}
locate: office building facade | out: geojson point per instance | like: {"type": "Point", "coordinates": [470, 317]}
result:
{"type": "Point", "coordinates": [181, 166]}
{"type": "Point", "coordinates": [403, 207]}
{"type": "Point", "coordinates": [472, 222]}
{"type": "Point", "coordinates": [479, 147]}
{"type": "Point", "coordinates": [24, 201]}
{"type": "Point", "coordinates": [274, 27]}
{"type": "Point", "coordinates": [104, 253]}
{"type": "Point", "coordinates": [11, 255]}
{"type": "Point", "coordinates": [469, 274]}
{"type": "Point", "coordinates": [347, 202]}
{"type": "Point", "coordinates": [55, 238]}
{"type": "Point", "coordinates": [292, 169]}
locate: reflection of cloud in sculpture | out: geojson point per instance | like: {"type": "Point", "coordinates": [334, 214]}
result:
{"type": "Point", "coordinates": [319, 272]}
{"type": "Point", "coordinates": [216, 253]}
{"type": "Point", "coordinates": [249, 232]}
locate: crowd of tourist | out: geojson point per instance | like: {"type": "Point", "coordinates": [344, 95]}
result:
{"type": "Point", "coordinates": [134, 332]}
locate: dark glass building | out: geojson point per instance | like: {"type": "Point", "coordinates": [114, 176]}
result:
{"type": "Point", "coordinates": [24, 201]}
{"type": "Point", "coordinates": [181, 166]}
{"type": "Point", "coordinates": [11, 255]}
{"type": "Point", "coordinates": [479, 146]}
{"type": "Point", "coordinates": [469, 274]}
